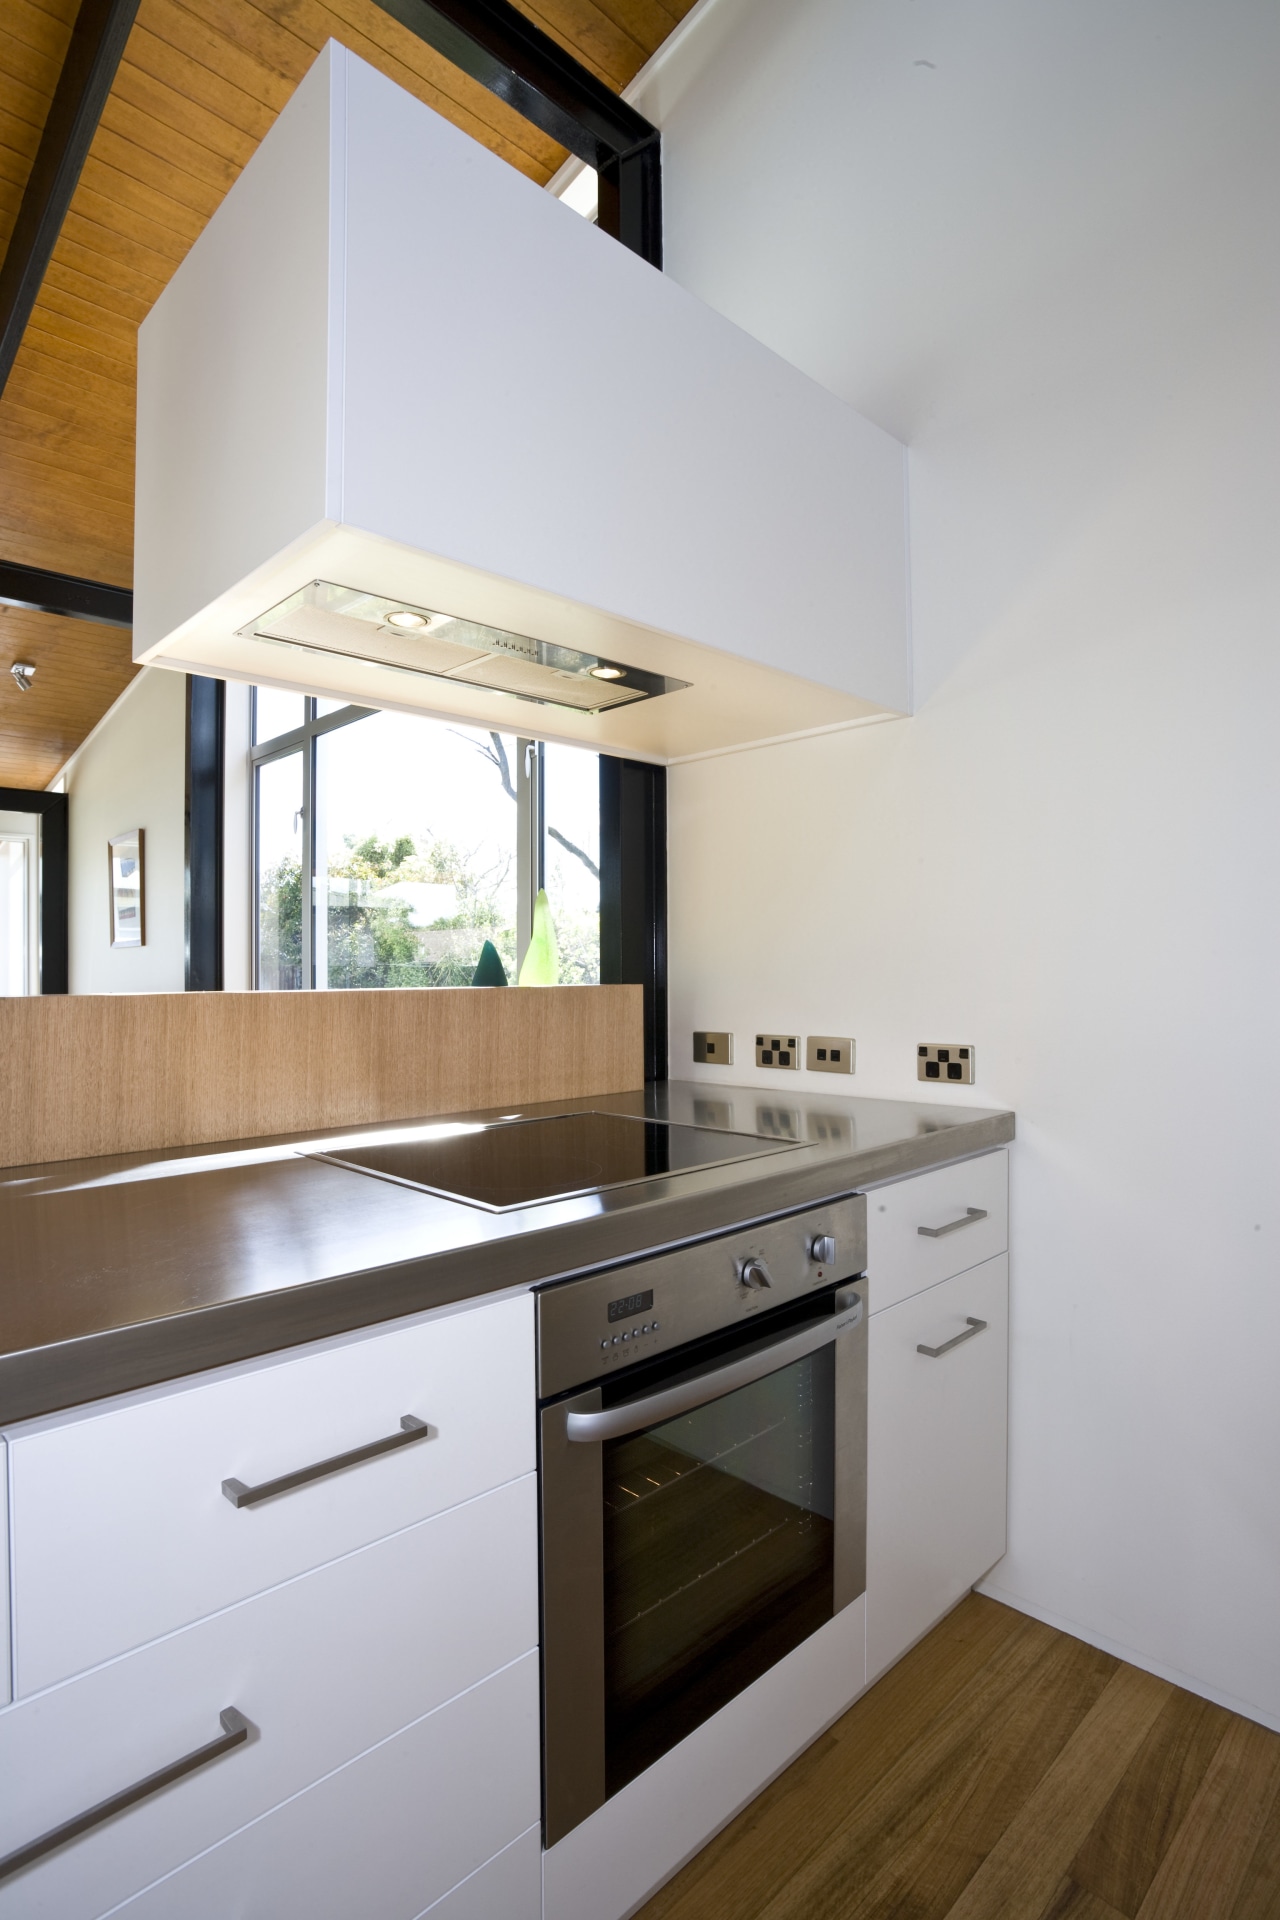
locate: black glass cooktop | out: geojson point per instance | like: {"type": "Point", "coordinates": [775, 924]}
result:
{"type": "Point", "coordinates": [516, 1163]}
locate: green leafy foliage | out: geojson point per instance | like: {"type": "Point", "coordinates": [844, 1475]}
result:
{"type": "Point", "coordinates": [375, 942]}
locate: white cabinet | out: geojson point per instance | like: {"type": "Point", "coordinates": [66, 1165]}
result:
{"type": "Point", "coordinates": [923, 1230]}
{"type": "Point", "coordinates": [125, 1501]}
{"type": "Point", "coordinates": [391, 1834]}
{"type": "Point", "coordinates": [323, 1667]}
{"type": "Point", "coordinates": [376, 1627]}
{"type": "Point", "coordinates": [4, 1574]}
{"type": "Point", "coordinates": [936, 1452]}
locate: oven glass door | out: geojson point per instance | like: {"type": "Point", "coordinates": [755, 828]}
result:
{"type": "Point", "coordinates": [719, 1554]}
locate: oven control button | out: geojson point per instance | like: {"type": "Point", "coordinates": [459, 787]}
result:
{"type": "Point", "coordinates": [822, 1250]}
{"type": "Point", "coordinates": [752, 1272]}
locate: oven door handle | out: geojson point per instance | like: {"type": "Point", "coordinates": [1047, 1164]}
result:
{"type": "Point", "coordinates": [629, 1416]}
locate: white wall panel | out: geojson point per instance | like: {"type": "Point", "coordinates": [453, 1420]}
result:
{"type": "Point", "coordinates": [1031, 241]}
{"type": "Point", "coordinates": [131, 772]}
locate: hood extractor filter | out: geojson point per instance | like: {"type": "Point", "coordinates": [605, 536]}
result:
{"type": "Point", "coordinates": [324, 618]}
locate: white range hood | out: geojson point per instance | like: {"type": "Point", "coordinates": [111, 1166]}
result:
{"type": "Point", "coordinates": [412, 433]}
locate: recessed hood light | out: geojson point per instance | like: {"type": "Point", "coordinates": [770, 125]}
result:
{"type": "Point", "coordinates": [323, 617]}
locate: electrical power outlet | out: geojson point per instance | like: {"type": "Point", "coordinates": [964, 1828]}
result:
{"type": "Point", "coordinates": [713, 1049]}
{"type": "Point", "coordinates": [828, 1053]}
{"type": "Point", "coordinates": [952, 1063]}
{"type": "Point", "coordinates": [774, 1050]}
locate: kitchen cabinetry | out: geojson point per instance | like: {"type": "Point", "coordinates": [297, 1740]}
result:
{"type": "Point", "coordinates": [4, 1574]}
{"type": "Point", "coordinates": [374, 1625]}
{"type": "Point", "coordinates": [937, 1419]}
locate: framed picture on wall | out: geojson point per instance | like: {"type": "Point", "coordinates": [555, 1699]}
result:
{"type": "Point", "coordinates": [125, 858]}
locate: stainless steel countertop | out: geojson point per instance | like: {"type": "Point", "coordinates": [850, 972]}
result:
{"type": "Point", "coordinates": [134, 1268]}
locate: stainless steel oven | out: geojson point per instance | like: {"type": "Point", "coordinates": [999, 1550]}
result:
{"type": "Point", "coordinates": [702, 1482]}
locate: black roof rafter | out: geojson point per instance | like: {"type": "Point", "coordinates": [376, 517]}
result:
{"type": "Point", "coordinates": [42, 592]}
{"type": "Point", "coordinates": [97, 42]}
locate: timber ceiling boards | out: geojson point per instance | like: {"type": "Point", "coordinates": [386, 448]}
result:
{"type": "Point", "coordinates": [200, 83]}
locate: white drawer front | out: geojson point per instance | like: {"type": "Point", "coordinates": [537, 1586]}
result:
{"type": "Point", "coordinates": [937, 1439]}
{"type": "Point", "coordinates": [121, 1531]}
{"type": "Point", "coordinates": [385, 1837]}
{"type": "Point", "coordinates": [323, 1668]}
{"type": "Point", "coordinates": [508, 1888]}
{"type": "Point", "coordinates": [964, 1213]}
{"type": "Point", "coordinates": [4, 1574]}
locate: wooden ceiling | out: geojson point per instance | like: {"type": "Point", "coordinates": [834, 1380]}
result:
{"type": "Point", "coordinates": [200, 83]}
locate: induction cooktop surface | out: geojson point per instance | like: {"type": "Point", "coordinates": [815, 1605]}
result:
{"type": "Point", "coordinates": [517, 1163]}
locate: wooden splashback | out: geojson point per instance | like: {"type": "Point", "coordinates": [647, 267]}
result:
{"type": "Point", "coordinates": [120, 1073]}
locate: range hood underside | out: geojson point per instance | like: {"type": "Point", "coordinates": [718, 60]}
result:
{"type": "Point", "coordinates": [725, 702]}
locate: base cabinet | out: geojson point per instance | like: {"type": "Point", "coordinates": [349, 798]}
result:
{"type": "Point", "coordinates": [389, 1835]}
{"type": "Point", "coordinates": [936, 1453]}
{"type": "Point", "coordinates": [372, 1622]}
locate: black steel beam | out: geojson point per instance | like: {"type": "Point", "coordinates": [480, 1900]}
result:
{"type": "Point", "coordinates": [630, 200]}
{"type": "Point", "coordinates": [63, 593]}
{"type": "Point", "coordinates": [97, 42]}
{"type": "Point", "coordinates": [633, 892]}
{"type": "Point", "coordinates": [55, 885]}
{"type": "Point", "coordinates": [206, 742]}
{"type": "Point", "coordinates": [501, 48]}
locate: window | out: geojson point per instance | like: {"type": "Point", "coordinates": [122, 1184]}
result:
{"type": "Point", "coordinates": [389, 849]}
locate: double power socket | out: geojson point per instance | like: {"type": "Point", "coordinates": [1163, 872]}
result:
{"type": "Point", "coordinates": [833, 1053]}
{"type": "Point", "coordinates": [823, 1052]}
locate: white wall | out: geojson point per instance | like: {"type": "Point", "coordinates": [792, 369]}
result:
{"type": "Point", "coordinates": [131, 772]}
{"type": "Point", "coordinates": [134, 764]}
{"type": "Point", "coordinates": [1048, 259]}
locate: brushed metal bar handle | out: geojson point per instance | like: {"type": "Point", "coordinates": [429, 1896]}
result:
{"type": "Point", "coordinates": [971, 1326]}
{"type": "Point", "coordinates": [966, 1219]}
{"type": "Point", "coordinates": [411, 1430]}
{"type": "Point", "coordinates": [235, 1731]}
{"type": "Point", "coordinates": [630, 1416]}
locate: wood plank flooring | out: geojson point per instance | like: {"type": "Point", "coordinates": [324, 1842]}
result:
{"type": "Point", "coordinates": [1004, 1771]}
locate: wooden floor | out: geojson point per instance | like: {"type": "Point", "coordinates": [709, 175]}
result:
{"type": "Point", "coordinates": [1004, 1771]}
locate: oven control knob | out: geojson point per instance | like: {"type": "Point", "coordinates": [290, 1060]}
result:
{"type": "Point", "coordinates": [822, 1250]}
{"type": "Point", "coordinates": [753, 1272]}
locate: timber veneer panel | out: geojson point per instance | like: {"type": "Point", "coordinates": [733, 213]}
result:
{"type": "Point", "coordinates": [82, 669]}
{"type": "Point", "coordinates": [89, 1074]}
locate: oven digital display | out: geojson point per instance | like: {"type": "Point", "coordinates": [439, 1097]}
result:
{"type": "Point", "coordinates": [634, 1303]}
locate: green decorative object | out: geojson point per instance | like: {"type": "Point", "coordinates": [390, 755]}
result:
{"type": "Point", "coordinates": [542, 962]}
{"type": "Point", "coordinates": [490, 971]}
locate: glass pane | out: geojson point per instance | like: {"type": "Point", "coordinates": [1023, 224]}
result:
{"type": "Point", "coordinates": [275, 713]}
{"type": "Point", "coordinates": [571, 811]}
{"type": "Point", "coordinates": [324, 707]}
{"type": "Point", "coordinates": [718, 1545]}
{"type": "Point", "coordinates": [13, 916]}
{"type": "Point", "coordinates": [279, 877]}
{"type": "Point", "coordinates": [416, 853]}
